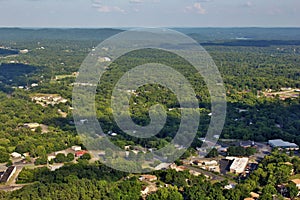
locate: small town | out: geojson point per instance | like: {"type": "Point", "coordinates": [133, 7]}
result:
{"type": "Point", "coordinates": [217, 166]}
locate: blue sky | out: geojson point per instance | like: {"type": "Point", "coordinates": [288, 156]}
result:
{"type": "Point", "coordinates": [149, 13]}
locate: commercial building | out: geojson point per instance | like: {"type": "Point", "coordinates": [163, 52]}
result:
{"type": "Point", "coordinates": [239, 165]}
{"type": "Point", "coordinates": [283, 144]}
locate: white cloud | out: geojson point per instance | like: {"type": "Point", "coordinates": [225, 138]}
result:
{"type": "Point", "coordinates": [136, 1]}
{"type": "Point", "coordinates": [106, 8]}
{"type": "Point", "coordinates": [197, 7]}
{"type": "Point", "coordinates": [248, 4]}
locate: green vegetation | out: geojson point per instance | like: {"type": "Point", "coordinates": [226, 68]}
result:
{"type": "Point", "coordinates": [240, 151]}
{"type": "Point", "coordinates": [249, 68]}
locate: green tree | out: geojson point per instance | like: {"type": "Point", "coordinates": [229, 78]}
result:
{"type": "Point", "coordinates": [292, 190]}
{"type": "Point", "coordinates": [60, 158]}
{"type": "Point", "coordinates": [4, 157]}
{"type": "Point", "coordinates": [70, 157]}
{"type": "Point", "coordinates": [86, 156]}
{"type": "Point", "coordinates": [213, 153]}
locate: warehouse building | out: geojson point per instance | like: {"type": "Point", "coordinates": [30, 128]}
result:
{"type": "Point", "coordinates": [283, 144]}
{"type": "Point", "coordinates": [239, 165]}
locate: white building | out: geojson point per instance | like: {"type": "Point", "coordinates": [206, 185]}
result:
{"type": "Point", "coordinates": [76, 148]}
{"type": "Point", "coordinates": [283, 144]}
{"type": "Point", "coordinates": [239, 165]}
{"type": "Point", "coordinates": [16, 155]}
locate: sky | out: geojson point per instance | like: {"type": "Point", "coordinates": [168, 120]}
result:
{"type": "Point", "coordinates": [149, 13]}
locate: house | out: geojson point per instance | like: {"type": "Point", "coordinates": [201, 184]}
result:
{"type": "Point", "coordinates": [32, 126]}
{"type": "Point", "coordinates": [254, 195]}
{"type": "Point", "coordinates": [297, 182]}
{"type": "Point", "coordinates": [229, 186]}
{"type": "Point", "coordinates": [127, 147]}
{"type": "Point", "coordinates": [16, 155]}
{"type": "Point", "coordinates": [6, 176]}
{"type": "Point", "coordinates": [178, 168]}
{"type": "Point", "coordinates": [76, 148]}
{"type": "Point", "coordinates": [80, 153]}
{"type": "Point", "coordinates": [148, 178]}
{"type": "Point", "coordinates": [51, 157]}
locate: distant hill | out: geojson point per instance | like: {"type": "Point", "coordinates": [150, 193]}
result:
{"type": "Point", "coordinates": [21, 34]}
{"type": "Point", "coordinates": [212, 34]}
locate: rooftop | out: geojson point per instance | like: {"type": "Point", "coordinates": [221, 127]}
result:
{"type": "Point", "coordinates": [239, 164]}
{"type": "Point", "coordinates": [296, 181]}
{"type": "Point", "coordinates": [281, 143]}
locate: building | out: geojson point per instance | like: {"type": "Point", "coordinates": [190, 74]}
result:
{"type": "Point", "coordinates": [148, 178]}
{"type": "Point", "coordinates": [229, 186]}
{"type": "Point", "coordinates": [178, 168]}
{"type": "Point", "coordinates": [76, 148]}
{"type": "Point", "coordinates": [247, 144]}
{"type": "Point", "coordinates": [297, 182]}
{"type": "Point", "coordinates": [254, 195]}
{"type": "Point", "coordinates": [239, 165]}
{"type": "Point", "coordinates": [278, 143]}
{"type": "Point", "coordinates": [80, 153]}
{"type": "Point", "coordinates": [6, 176]}
{"type": "Point", "coordinates": [32, 126]}
{"type": "Point", "coordinates": [16, 155]}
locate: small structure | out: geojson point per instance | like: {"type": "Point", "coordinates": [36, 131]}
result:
{"type": "Point", "coordinates": [278, 143]}
{"type": "Point", "coordinates": [178, 168]}
{"type": "Point", "coordinates": [80, 153]}
{"type": "Point", "coordinates": [247, 144]}
{"type": "Point", "coordinates": [51, 157]}
{"type": "Point", "coordinates": [297, 182]}
{"type": "Point", "coordinates": [147, 177]}
{"type": "Point", "coordinates": [34, 84]}
{"type": "Point", "coordinates": [32, 126]}
{"type": "Point", "coordinates": [114, 134]}
{"type": "Point", "coordinates": [6, 176]}
{"type": "Point", "coordinates": [16, 155]}
{"type": "Point", "coordinates": [229, 186]}
{"type": "Point", "coordinates": [239, 165]}
{"type": "Point", "coordinates": [76, 148]}
{"type": "Point", "coordinates": [254, 195]}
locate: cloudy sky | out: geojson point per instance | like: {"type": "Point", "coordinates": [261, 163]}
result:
{"type": "Point", "coordinates": [149, 13]}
